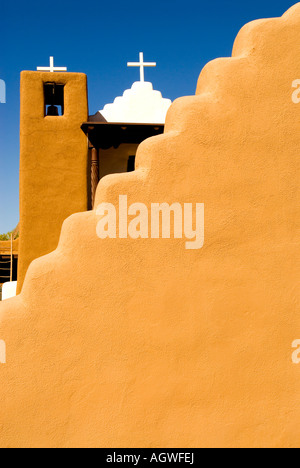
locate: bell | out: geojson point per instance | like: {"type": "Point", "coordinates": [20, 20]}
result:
{"type": "Point", "coordinates": [52, 110]}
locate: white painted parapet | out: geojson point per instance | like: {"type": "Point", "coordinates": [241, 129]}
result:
{"type": "Point", "coordinates": [140, 104]}
{"type": "Point", "coordinates": [9, 290]}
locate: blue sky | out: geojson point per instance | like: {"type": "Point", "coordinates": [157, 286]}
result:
{"type": "Point", "coordinates": [98, 37]}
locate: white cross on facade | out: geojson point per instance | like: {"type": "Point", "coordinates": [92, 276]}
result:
{"type": "Point", "coordinates": [141, 64]}
{"type": "Point", "coordinates": [52, 68]}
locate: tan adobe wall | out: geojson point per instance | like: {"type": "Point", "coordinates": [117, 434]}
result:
{"type": "Point", "coordinates": [5, 247]}
{"type": "Point", "coordinates": [142, 343]}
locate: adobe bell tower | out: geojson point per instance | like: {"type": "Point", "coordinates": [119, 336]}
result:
{"type": "Point", "coordinates": [53, 159]}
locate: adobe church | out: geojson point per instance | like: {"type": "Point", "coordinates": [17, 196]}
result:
{"type": "Point", "coordinates": [65, 152]}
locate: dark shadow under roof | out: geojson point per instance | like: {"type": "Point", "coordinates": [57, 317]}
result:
{"type": "Point", "coordinates": [104, 135]}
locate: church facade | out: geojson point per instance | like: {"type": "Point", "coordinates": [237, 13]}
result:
{"type": "Point", "coordinates": [65, 152]}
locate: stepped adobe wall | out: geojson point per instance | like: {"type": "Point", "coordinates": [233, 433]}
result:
{"type": "Point", "coordinates": [142, 343]}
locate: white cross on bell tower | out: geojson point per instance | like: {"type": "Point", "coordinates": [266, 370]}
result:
{"type": "Point", "coordinates": [141, 64]}
{"type": "Point", "coordinates": [52, 68]}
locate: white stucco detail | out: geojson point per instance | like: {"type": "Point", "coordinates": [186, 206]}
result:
{"type": "Point", "coordinates": [140, 104]}
{"type": "Point", "coordinates": [9, 290]}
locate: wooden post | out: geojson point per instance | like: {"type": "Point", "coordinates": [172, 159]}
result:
{"type": "Point", "coordinates": [94, 173]}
